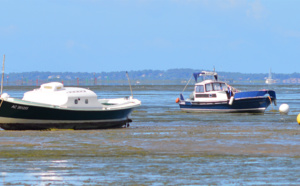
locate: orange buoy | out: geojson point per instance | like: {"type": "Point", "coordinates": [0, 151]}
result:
{"type": "Point", "coordinates": [177, 100]}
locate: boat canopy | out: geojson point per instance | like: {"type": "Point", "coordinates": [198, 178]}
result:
{"type": "Point", "coordinates": [55, 93]}
{"type": "Point", "coordinates": [205, 73]}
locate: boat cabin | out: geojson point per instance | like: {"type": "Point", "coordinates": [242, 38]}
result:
{"type": "Point", "coordinates": [210, 90]}
{"type": "Point", "coordinates": [56, 94]}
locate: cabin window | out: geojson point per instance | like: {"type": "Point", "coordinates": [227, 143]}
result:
{"type": "Point", "coordinates": [76, 101]}
{"type": "Point", "coordinates": [217, 86]}
{"type": "Point", "coordinates": [199, 88]}
{"type": "Point", "coordinates": [47, 87]}
{"type": "Point", "coordinates": [86, 101]}
{"type": "Point", "coordinates": [208, 87]}
{"type": "Point", "coordinates": [223, 86]}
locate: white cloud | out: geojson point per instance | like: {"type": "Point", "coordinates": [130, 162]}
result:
{"type": "Point", "coordinates": [237, 44]}
{"type": "Point", "coordinates": [229, 4]}
{"type": "Point", "coordinates": [255, 10]}
{"type": "Point", "coordinates": [70, 44]}
{"type": "Point", "coordinates": [8, 29]}
{"type": "Point", "coordinates": [160, 43]}
{"type": "Point", "coordinates": [292, 33]}
{"type": "Point", "coordinates": [219, 4]}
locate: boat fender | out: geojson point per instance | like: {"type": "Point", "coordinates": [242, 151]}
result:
{"type": "Point", "coordinates": [231, 100]}
{"type": "Point", "coordinates": [177, 100]}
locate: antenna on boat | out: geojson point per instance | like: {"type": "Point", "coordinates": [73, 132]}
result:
{"type": "Point", "coordinates": [129, 83]}
{"type": "Point", "coordinates": [2, 74]}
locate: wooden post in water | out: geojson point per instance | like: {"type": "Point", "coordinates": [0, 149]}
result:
{"type": "Point", "coordinates": [2, 74]}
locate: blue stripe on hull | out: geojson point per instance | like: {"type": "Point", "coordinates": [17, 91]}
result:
{"type": "Point", "coordinates": [239, 105]}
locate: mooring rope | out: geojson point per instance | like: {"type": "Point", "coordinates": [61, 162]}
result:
{"type": "Point", "coordinates": [186, 85]}
{"type": "Point", "coordinates": [1, 102]}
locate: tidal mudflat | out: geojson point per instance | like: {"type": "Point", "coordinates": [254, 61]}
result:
{"type": "Point", "coordinates": [163, 146]}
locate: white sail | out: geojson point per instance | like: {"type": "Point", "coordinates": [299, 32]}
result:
{"type": "Point", "coordinates": [269, 80]}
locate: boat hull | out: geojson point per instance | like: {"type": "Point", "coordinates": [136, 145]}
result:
{"type": "Point", "coordinates": [75, 126]}
{"type": "Point", "coordinates": [249, 105]}
{"type": "Point", "coordinates": [17, 116]}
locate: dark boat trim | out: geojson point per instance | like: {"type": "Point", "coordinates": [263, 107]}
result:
{"type": "Point", "coordinates": [72, 125]}
{"type": "Point", "coordinates": [17, 115]}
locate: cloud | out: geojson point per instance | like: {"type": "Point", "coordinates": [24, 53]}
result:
{"type": "Point", "coordinates": [160, 43]}
{"type": "Point", "coordinates": [11, 29]}
{"type": "Point", "coordinates": [291, 33]}
{"type": "Point", "coordinates": [70, 44]}
{"type": "Point", "coordinates": [237, 44]}
{"type": "Point", "coordinates": [214, 4]}
{"type": "Point", "coordinates": [255, 10]}
{"type": "Point", "coordinates": [228, 4]}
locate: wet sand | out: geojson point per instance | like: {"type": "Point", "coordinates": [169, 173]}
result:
{"type": "Point", "coordinates": [163, 146]}
{"type": "Point", "coordinates": [156, 138]}
{"type": "Point", "coordinates": [169, 153]}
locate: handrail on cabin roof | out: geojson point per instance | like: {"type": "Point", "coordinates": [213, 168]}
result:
{"type": "Point", "coordinates": [205, 73]}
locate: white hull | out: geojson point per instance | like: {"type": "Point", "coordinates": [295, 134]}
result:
{"type": "Point", "coordinates": [270, 81]}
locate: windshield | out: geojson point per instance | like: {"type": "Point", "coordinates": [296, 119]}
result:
{"type": "Point", "coordinates": [223, 86]}
{"type": "Point", "coordinates": [208, 87]}
{"type": "Point", "coordinates": [219, 86]}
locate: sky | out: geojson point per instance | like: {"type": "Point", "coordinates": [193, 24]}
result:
{"type": "Point", "coordinates": [247, 36]}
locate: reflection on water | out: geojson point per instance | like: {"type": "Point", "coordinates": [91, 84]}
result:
{"type": "Point", "coordinates": [163, 146]}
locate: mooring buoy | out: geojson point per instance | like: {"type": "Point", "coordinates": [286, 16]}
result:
{"type": "Point", "coordinates": [284, 108]}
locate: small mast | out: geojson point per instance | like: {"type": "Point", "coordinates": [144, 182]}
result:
{"type": "Point", "coordinates": [2, 74]}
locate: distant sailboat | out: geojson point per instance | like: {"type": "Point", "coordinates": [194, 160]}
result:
{"type": "Point", "coordinates": [269, 80]}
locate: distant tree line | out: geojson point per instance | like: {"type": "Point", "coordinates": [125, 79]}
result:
{"type": "Point", "coordinates": [171, 76]}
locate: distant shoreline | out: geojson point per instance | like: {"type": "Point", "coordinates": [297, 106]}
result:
{"type": "Point", "coordinates": [155, 77]}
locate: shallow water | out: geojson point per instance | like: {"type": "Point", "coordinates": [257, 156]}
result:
{"type": "Point", "coordinates": [163, 146]}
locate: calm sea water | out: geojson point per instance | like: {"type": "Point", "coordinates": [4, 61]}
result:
{"type": "Point", "coordinates": [163, 146]}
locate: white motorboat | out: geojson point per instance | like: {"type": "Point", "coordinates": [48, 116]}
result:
{"type": "Point", "coordinates": [55, 106]}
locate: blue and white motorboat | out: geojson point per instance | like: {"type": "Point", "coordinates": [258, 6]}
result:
{"type": "Point", "coordinates": [212, 95]}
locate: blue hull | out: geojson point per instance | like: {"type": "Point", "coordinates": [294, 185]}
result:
{"type": "Point", "coordinates": [252, 105]}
